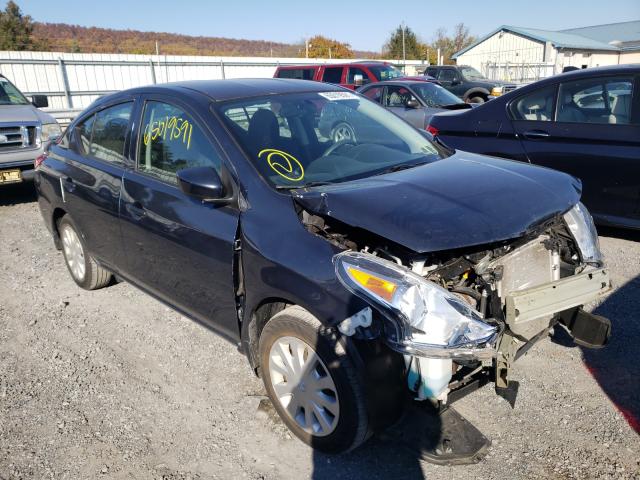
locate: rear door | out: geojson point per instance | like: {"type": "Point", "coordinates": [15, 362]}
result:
{"type": "Point", "coordinates": [91, 179]}
{"type": "Point", "coordinates": [333, 75]}
{"type": "Point", "coordinates": [588, 128]}
{"type": "Point", "coordinates": [178, 248]}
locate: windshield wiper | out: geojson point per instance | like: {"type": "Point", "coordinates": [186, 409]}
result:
{"type": "Point", "coordinates": [304, 185]}
{"type": "Point", "coordinates": [402, 166]}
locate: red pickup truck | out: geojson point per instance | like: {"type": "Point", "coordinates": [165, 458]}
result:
{"type": "Point", "coordinates": [349, 75]}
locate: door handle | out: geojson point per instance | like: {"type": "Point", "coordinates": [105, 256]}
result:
{"type": "Point", "coordinates": [536, 134]}
{"type": "Point", "coordinates": [137, 210]}
{"type": "Point", "coordinates": [68, 184]}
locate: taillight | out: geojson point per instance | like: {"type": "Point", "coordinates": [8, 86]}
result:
{"type": "Point", "coordinates": [39, 159]}
{"type": "Point", "coordinates": [433, 130]}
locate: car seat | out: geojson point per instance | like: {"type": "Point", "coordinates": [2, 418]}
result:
{"type": "Point", "coordinates": [621, 109]}
{"type": "Point", "coordinates": [568, 111]}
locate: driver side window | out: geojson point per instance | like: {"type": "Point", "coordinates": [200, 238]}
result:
{"type": "Point", "coordinates": [397, 96]}
{"type": "Point", "coordinates": [170, 141]}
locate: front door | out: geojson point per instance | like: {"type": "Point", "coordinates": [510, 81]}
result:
{"type": "Point", "coordinates": [178, 248]}
{"type": "Point", "coordinates": [396, 100]}
{"type": "Point", "coordinates": [588, 128]}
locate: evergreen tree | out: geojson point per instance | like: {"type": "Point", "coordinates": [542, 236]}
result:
{"type": "Point", "coordinates": [16, 30]}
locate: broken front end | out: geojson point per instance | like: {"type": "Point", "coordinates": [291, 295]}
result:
{"type": "Point", "coordinates": [461, 319]}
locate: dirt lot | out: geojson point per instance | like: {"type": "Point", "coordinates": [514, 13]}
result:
{"type": "Point", "coordinates": [112, 384]}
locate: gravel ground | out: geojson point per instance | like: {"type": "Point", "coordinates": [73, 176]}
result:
{"type": "Point", "coordinates": [112, 384]}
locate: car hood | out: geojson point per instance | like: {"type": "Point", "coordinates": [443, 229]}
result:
{"type": "Point", "coordinates": [460, 201]}
{"type": "Point", "coordinates": [23, 113]}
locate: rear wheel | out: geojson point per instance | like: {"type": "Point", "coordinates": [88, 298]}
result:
{"type": "Point", "coordinates": [84, 270]}
{"type": "Point", "coordinates": [312, 383]}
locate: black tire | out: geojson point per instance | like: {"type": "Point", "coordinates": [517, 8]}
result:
{"type": "Point", "coordinates": [94, 275]}
{"type": "Point", "coordinates": [351, 429]}
{"type": "Point", "coordinates": [476, 99]}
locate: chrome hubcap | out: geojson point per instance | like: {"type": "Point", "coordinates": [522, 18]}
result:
{"type": "Point", "coordinates": [73, 252]}
{"type": "Point", "coordinates": [342, 133]}
{"type": "Point", "coordinates": [303, 386]}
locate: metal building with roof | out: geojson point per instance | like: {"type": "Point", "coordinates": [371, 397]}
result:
{"type": "Point", "coordinates": [517, 53]}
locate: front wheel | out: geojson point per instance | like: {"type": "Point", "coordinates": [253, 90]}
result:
{"type": "Point", "coordinates": [84, 270]}
{"type": "Point", "coordinates": [477, 99]}
{"type": "Point", "coordinates": [312, 383]}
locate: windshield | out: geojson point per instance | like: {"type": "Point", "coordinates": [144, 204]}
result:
{"type": "Point", "coordinates": [434, 95]}
{"type": "Point", "coordinates": [471, 73]}
{"type": "Point", "coordinates": [385, 72]}
{"type": "Point", "coordinates": [309, 138]}
{"type": "Point", "coordinates": [10, 95]}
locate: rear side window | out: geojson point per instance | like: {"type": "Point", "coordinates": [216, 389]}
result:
{"type": "Point", "coordinates": [103, 135]}
{"type": "Point", "coordinates": [84, 131]}
{"type": "Point", "coordinates": [432, 71]}
{"type": "Point", "coordinates": [170, 141]}
{"type": "Point", "coordinates": [536, 106]}
{"type": "Point", "coordinates": [332, 75]}
{"type": "Point", "coordinates": [297, 73]}
{"type": "Point", "coordinates": [596, 100]}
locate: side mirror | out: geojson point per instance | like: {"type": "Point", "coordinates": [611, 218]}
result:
{"type": "Point", "coordinates": [358, 79]}
{"type": "Point", "coordinates": [40, 101]}
{"type": "Point", "coordinates": [203, 183]}
{"type": "Point", "coordinates": [455, 81]}
{"type": "Point", "coordinates": [413, 103]}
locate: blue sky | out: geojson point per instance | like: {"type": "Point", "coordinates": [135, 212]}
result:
{"type": "Point", "coordinates": [365, 24]}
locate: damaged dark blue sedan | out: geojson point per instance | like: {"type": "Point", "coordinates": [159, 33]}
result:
{"type": "Point", "coordinates": [359, 275]}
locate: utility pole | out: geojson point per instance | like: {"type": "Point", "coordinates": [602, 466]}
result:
{"type": "Point", "coordinates": [329, 53]}
{"type": "Point", "coordinates": [157, 48]}
{"type": "Point", "coordinates": [404, 52]}
{"type": "Point", "coordinates": [306, 48]}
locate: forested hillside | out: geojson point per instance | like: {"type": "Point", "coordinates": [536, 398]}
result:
{"type": "Point", "coordinates": [74, 38]}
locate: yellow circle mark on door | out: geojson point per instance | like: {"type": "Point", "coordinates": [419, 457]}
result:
{"type": "Point", "coordinates": [284, 164]}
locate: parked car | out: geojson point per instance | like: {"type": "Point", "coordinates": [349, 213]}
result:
{"type": "Point", "coordinates": [584, 122]}
{"type": "Point", "coordinates": [467, 83]}
{"type": "Point", "coordinates": [414, 101]}
{"type": "Point", "coordinates": [25, 132]}
{"type": "Point", "coordinates": [354, 275]}
{"type": "Point", "coordinates": [349, 75]}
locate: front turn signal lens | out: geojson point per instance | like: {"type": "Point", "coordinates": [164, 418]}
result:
{"type": "Point", "coordinates": [376, 285]}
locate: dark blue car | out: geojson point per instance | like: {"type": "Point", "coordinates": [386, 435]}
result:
{"type": "Point", "coordinates": [354, 274]}
{"type": "Point", "coordinates": [585, 123]}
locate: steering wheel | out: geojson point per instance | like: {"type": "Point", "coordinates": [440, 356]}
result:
{"type": "Point", "coordinates": [336, 146]}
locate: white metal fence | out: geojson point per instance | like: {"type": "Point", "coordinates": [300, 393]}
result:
{"type": "Point", "coordinates": [72, 81]}
{"type": "Point", "coordinates": [518, 72]}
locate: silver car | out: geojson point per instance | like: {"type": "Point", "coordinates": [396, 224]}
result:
{"type": "Point", "coordinates": [25, 132]}
{"type": "Point", "coordinates": [413, 100]}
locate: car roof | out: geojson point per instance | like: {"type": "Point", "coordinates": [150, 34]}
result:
{"type": "Point", "coordinates": [400, 81]}
{"type": "Point", "coordinates": [222, 90]}
{"type": "Point", "coordinates": [360, 63]}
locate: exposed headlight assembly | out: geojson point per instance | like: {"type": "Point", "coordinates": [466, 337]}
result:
{"type": "Point", "coordinates": [49, 130]}
{"type": "Point", "coordinates": [584, 233]}
{"type": "Point", "coordinates": [422, 318]}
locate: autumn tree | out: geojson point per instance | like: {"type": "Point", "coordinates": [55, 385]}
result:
{"type": "Point", "coordinates": [449, 45]}
{"type": "Point", "coordinates": [322, 47]}
{"type": "Point", "coordinates": [413, 48]}
{"type": "Point", "coordinates": [16, 30]}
